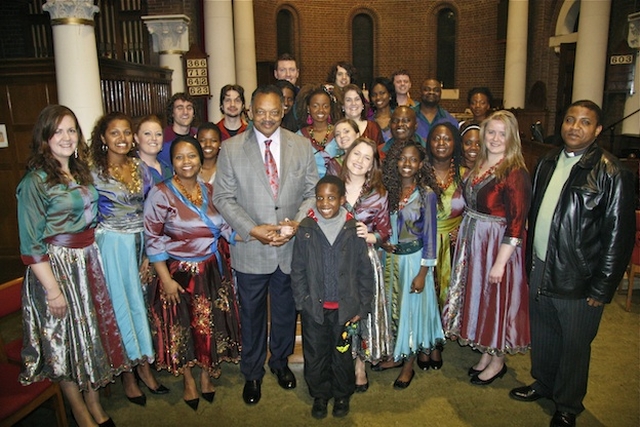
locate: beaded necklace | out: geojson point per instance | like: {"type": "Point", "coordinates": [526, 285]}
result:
{"type": "Point", "coordinates": [450, 176]}
{"type": "Point", "coordinates": [326, 136]}
{"type": "Point", "coordinates": [197, 199]}
{"type": "Point", "coordinates": [134, 184]}
{"type": "Point", "coordinates": [405, 195]}
{"type": "Point", "coordinates": [478, 179]}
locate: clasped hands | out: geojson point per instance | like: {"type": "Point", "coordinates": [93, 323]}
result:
{"type": "Point", "coordinates": [275, 235]}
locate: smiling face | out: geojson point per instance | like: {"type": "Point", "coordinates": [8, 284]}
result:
{"type": "Point", "coordinates": [209, 140]}
{"type": "Point", "coordinates": [287, 70]}
{"type": "Point", "coordinates": [320, 107]}
{"type": "Point", "coordinates": [289, 98]}
{"type": "Point", "coordinates": [345, 135]}
{"type": "Point", "coordinates": [232, 105]}
{"type": "Point", "coordinates": [403, 123]}
{"type": "Point", "coordinates": [409, 163]}
{"type": "Point", "coordinates": [186, 161]}
{"type": "Point", "coordinates": [441, 144]}
{"type": "Point", "coordinates": [431, 92]}
{"type": "Point", "coordinates": [64, 141]}
{"type": "Point", "coordinates": [360, 160]}
{"type": "Point", "coordinates": [267, 113]}
{"type": "Point", "coordinates": [353, 105]}
{"type": "Point", "coordinates": [495, 137]}
{"type": "Point", "coordinates": [579, 128]}
{"type": "Point", "coordinates": [471, 146]}
{"type": "Point", "coordinates": [342, 77]}
{"type": "Point", "coordinates": [479, 106]}
{"type": "Point", "coordinates": [380, 96]}
{"type": "Point", "coordinates": [149, 138]}
{"type": "Point", "coordinates": [183, 113]}
{"type": "Point", "coordinates": [118, 137]}
{"type": "Point", "coordinates": [328, 200]}
{"type": "Point", "coordinates": [402, 83]}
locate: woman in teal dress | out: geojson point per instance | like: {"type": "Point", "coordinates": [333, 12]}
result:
{"type": "Point", "coordinates": [411, 257]}
{"type": "Point", "coordinates": [69, 327]}
{"type": "Point", "coordinates": [123, 181]}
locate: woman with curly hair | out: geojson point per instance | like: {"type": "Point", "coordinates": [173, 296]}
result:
{"type": "Point", "coordinates": [367, 200]}
{"type": "Point", "coordinates": [487, 306]}
{"type": "Point", "coordinates": [411, 258]}
{"type": "Point", "coordinates": [123, 181]}
{"type": "Point", "coordinates": [383, 102]}
{"type": "Point", "coordinates": [319, 130]}
{"type": "Point", "coordinates": [69, 325]}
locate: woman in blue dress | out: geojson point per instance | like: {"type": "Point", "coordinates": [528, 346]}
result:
{"type": "Point", "coordinates": [123, 181]}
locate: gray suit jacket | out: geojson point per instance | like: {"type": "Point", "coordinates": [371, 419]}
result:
{"type": "Point", "coordinates": [243, 196]}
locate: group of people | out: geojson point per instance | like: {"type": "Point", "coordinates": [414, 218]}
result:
{"type": "Point", "coordinates": [388, 229]}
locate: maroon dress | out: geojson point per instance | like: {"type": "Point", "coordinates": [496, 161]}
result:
{"type": "Point", "coordinates": [492, 318]}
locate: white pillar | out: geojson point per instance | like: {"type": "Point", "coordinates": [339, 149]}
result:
{"type": "Point", "coordinates": [170, 35]}
{"type": "Point", "coordinates": [591, 50]}
{"type": "Point", "coordinates": [218, 43]}
{"type": "Point", "coordinates": [245, 40]}
{"type": "Point", "coordinates": [631, 126]}
{"type": "Point", "coordinates": [76, 59]}
{"type": "Point", "coordinates": [515, 63]}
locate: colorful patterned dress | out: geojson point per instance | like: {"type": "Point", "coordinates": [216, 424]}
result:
{"type": "Point", "coordinates": [120, 237]}
{"type": "Point", "coordinates": [488, 317]}
{"type": "Point", "coordinates": [377, 341]}
{"type": "Point", "coordinates": [203, 329]}
{"type": "Point", "coordinates": [415, 318]}
{"type": "Point", "coordinates": [323, 154]}
{"type": "Point", "coordinates": [56, 224]}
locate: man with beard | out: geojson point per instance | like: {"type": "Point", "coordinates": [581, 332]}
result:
{"type": "Point", "coordinates": [264, 185]}
{"type": "Point", "coordinates": [403, 125]}
{"type": "Point", "coordinates": [181, 111]}
{"type": "Point", "coordinates": [428, 110]}
{"type": "Point", "coordinates": [232, 107]}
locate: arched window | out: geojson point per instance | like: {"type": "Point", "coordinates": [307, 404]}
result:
{"type": "Point", "coordinates": [362, 47]}
{"type": "Point", "coordinates": [446, 70]}
{"type": "Point", "coordinates": [285, 37]}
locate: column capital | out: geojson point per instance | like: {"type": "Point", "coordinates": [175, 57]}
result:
{"type": "Point", "coordinates": [634, 30]}
{"type": "Point", "coordinates": [71, 12]}
{"type": "Point", "coordinates": [170, 33]}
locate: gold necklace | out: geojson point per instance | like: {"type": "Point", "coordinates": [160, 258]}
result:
{"type": "Point", "coordinates": [134, 184]}
{"type": "Point", "coordinates": [197, 199]}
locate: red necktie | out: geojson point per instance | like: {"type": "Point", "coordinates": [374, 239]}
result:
{"type": "Point", "coordinates": [272, 169]}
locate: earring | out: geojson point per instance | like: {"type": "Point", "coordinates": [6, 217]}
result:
{"type": "Point", "coordinates": [329, 119]}
{"type": "Point", "coordinates": [105, 148]}
{"type": "Point", "coordinates": [309, 119]}
{"type": "Point", "coordinates": [75, 153]}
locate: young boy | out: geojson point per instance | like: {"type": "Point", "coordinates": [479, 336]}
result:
{"type": "Point", "coordinates": [332, 283]}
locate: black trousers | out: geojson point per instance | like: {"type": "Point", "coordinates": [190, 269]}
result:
{"type": "Point", "coordinates": [561, 334]}
{"type": "Point", "coordinates": [328, 372]}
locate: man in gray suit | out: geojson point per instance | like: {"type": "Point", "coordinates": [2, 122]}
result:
{"type": "Point", "coordinates": [264, 206]}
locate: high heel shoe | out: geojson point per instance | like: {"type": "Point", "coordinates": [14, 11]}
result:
{"type": "Point", "coordinates": [193, 403]}
{"type": "Point", "coordinates": [435, 364]}
{"type": "Point", "coordinates": [361, 388]}
{"type": "Point", "coordinates": [477, 381]}
{"type": "Point", "coordinates": [208, 396]}
{"type": "Point", "coordinates": [472, 372]}
{"type": "Point", "coordinates": [137, 400]}
{"type": "Point", "coordinates": [401, 385]}
{"type": "Point", "coordinates": [158, 390]}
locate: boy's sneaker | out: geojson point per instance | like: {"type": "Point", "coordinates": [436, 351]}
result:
{"type": "Point", "coordinates": [319, 409]}
{"type": "Point", "coordinates": [341, 407]}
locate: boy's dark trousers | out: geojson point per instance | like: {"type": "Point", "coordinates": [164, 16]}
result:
{"type": "Point", "coordinates": [328, 372]}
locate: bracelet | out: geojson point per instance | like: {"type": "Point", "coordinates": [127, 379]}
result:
{"type": "Point", "coordinates": [53, 299]}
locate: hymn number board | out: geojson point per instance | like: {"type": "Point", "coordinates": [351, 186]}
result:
{"type": "Point", "coordinates": [197, 77]}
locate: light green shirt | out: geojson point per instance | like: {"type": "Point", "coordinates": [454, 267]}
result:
{"type": "Point", "coordinates": [550, 201]}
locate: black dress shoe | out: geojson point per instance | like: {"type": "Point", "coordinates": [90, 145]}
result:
{"type": "Point", "coordinates": [319, 409]}
{"type": "Point", "coordinates": [401, 385]}
{"type": "Point", "coordinates": [424, 364]}
{"type": "Point", "coordinates": [341, 407]}
{"type": "Point", "coordinates": [209, 396]}
{"type": "Point", "coordinates": [473, 372]}
{"type": "Point", "coordinates": [108, 423]}
{"type": "Point", "coordinates": [435, 364]}
{"type": "Point", "coordinates": [379, 368]}
{"type": "Point", "coordinates": [159, 390]}
{"type": "Point", "coordinates": [563, 419]}
{"type": "Point", "coordinates": [251, 393]}
{"type": "Point", "coordinates": [138, 400]}
{"type": "Point", "coordinates": [361, 388]}
{"type": "Point", "coordinates": [477, 381]}
{"type": "Point", "coordinates": [193, 403]}
{"type": "Point", "coordinates": [525, 394]}
{"type": "Point", "coordinates": [286, 379]}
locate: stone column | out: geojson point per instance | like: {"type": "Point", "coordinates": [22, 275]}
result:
{"type": "Point", "coordinates": [219, 45]}
{"type": "Point", "coordinates": [170, 35]}
{"type": "Point", "coordinates": [515, 63]}
{"type": "Point", "coordinates": [76, 59]}
{"type": "Point", "coordinates": [246, 71]}
{"type": "Point", "coordinates": [591, 50]}
{"type": "Point", "coordinates": [631, 126]}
